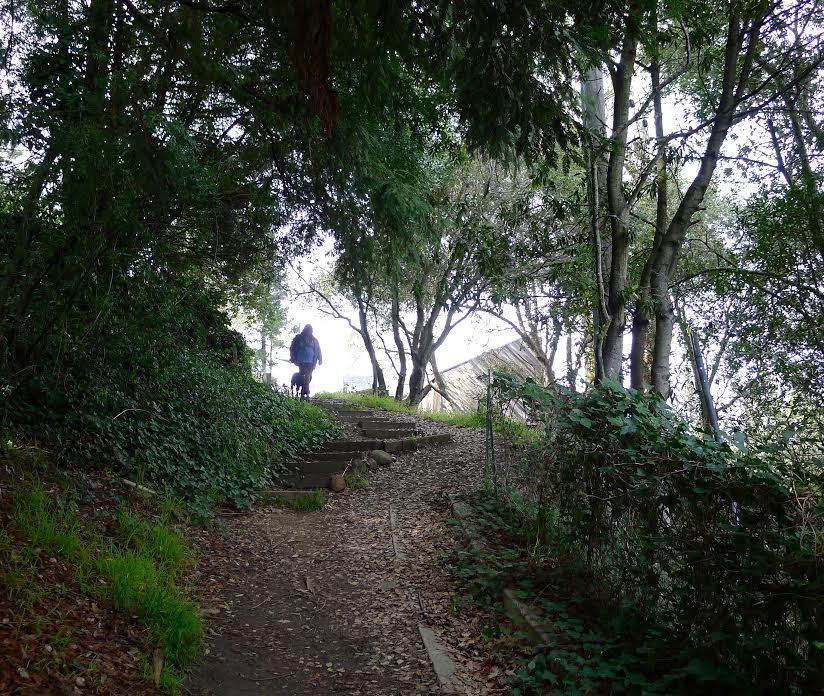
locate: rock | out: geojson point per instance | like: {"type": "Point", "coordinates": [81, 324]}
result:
{"type": "Point", "coordinates": [336, 483]}
{"type": "Point", "coordinates": [80, 681]}
{"type": "Point", "coordinates": [381, 457]}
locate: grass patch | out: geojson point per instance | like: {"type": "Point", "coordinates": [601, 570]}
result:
{"type": "Point", "coordinates": [356, 481]}
{"type": "Point", "coordinates": [300, 501]}
{"type": "Point", "coordinates": [464, 419]}
{"type": "Point", "coordinates": [52, 526]}
{"type": "Point", "coordinates": [386, 403]}
{"type": "Point", "coordinates": [139, 586]}
{"type": "Point", "coordinates": [141, 567]}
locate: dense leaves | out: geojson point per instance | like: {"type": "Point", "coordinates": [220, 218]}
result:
{"type": "Point", "coordinates": [168, 397]}
{"type": "Point", "coordinates": [713, 546]}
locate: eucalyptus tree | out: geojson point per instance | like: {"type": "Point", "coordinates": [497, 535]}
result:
{"type": "Point", "coordinates": [721, 62]}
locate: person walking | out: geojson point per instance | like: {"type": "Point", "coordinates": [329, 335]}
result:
{"type": "Point", "coordinates": [305, 353]}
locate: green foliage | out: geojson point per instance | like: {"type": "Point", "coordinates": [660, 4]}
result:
{"type": "Point", "coordinates": [141, 569]}
{"type": "Point", "coordinates": [356, 482]}
{"type": "Point", "coordinates": [176, 407]}
{"type": "Point", "coordinates": [705, 556]}
{"type": "Point", "coordinates": [305, 501]}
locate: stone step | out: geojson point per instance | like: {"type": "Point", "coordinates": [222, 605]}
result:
{"type": "Point", "coordinates": [334, 455]}
{"type": "Point", "coordinates": [385, 433]}
{"type": "Point", "coordinates": [386, 423]}
{"type": "Point", "coordinates": [350, 445]}
{"type": "Point", "coordinates": [315, 480]}
{"type": "Point", "coordinates": [354, 416]}
{"type": "Point", "coordinates": [322, 466]}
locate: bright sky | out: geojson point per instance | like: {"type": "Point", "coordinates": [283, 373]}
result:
{"type": "Point", "coordinates": [344, 355]}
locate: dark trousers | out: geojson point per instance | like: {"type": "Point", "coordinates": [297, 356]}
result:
{"type": "Point", "coordinates": [306, 370]}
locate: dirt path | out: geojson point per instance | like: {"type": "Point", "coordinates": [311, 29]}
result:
{"type": "Point", "coordinates": [324, 603]}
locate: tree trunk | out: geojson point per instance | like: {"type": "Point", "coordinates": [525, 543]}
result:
{"type": "Point", "coordinates": [378, 381]}
{"type": "Point", "coordinates": [666, 255]}
{"type": "Point", "coordinates": [396, 333]}
{"type": "Point", "coordinates": [439, 380]}
{"type": "Point", "coordinates": [639, 375]}
{"type": "Point", "coordinates": [418, 389]}
{"type": "Point", "coordinates": [612, 349]}
{"type": "Point", "coordinates": [594, 122]}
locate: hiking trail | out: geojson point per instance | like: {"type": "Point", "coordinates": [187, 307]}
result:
{"type": "Point", "coordinates": [354, 598]}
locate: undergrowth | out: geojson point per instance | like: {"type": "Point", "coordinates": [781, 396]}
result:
{"type": "Point", "coordinates": [141, 570]}
{"type": "Point", "coordinates": [356, 481]}
{"type": "Point", "coordinates": [663, 561]}
{"type": "Point", "coordinates": [305, 501]}
{"type": "Point", "coordinates": [176, 408]}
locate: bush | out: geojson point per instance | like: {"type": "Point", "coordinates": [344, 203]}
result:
{"type": "Point", "coordinates": [175, 406]}
{"type": "Point", "coordinates": [715, 548]}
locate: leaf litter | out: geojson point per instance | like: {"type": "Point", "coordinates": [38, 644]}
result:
{"type": "Point", "coordinates": [330, 601]}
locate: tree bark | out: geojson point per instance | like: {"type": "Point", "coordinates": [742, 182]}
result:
{"type": "Point", "coordinates": [396, 334]}
{"type": "Point", "coordinates": [439, 380]}
{"type": "Point", "coordinates": [613, 333]}
{"type": "Point", "coordinates": [594, 122]}
{"type": "Point", "coordinates": [378, 380]}
{"type": "Point", "coordinates": [639, 374]}
{"type": "Point", "coordinates": [665, 257]}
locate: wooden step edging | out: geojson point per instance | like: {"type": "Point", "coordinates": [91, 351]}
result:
{"type": "Point", "coordinates": [410, 444]}
{"type": "Point", "coordinates": [310, 472]}
{"type": "Point", "coordinates": [520, 613]}
{"type": "Point", "coordinates": [442, 664]}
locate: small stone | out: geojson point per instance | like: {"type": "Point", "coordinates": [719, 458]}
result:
{"type": "Point", "coordinates": [381, 457]}
{"type": "Point", "coordinates": [336, 483]}
{"type": "Point", "coordinates": [80, 681]}
{"type": "Point", "coordinates": [49, 649]}
{"type": "Point", "coordinates": [23, 673]}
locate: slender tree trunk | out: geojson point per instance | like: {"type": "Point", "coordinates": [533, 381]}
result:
{"type": "Point", "coordinates": [733, 83]}
{"type": "Point", "coordinates": [439, 380]}
{"type": "Point", "coordinates": [571, 365]}
{"type": "Point", "coordinates": [594, 121]}
{"type": "Point", "coordinates": [639, 374]}
{"type": "Point", "coordinates": [618, 205]}
{"type": "Point", "coordinates": [378, 381]}
{"type": "Point", "coordinates": [396, 333]}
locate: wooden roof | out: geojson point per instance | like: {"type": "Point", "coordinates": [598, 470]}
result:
{"type": "Point", "coordinates": [466, 381]}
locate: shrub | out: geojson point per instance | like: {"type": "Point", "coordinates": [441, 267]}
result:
{"type": "Point", "coordinates": [716, 548]}
{"type": "Point", "coordinates": [176, 407]}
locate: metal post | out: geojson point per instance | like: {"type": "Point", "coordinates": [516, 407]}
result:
{"type": "Point", "coordinates": [490, 439]}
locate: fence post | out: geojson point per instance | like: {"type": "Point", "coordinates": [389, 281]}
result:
{"type": "Point", "coordinates": [489, 439]}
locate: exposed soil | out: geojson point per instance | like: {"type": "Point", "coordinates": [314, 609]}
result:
{"type": "Point", "coordinates": [54, 639]}
{"type": "Point", "coordinates": [323, 602]}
